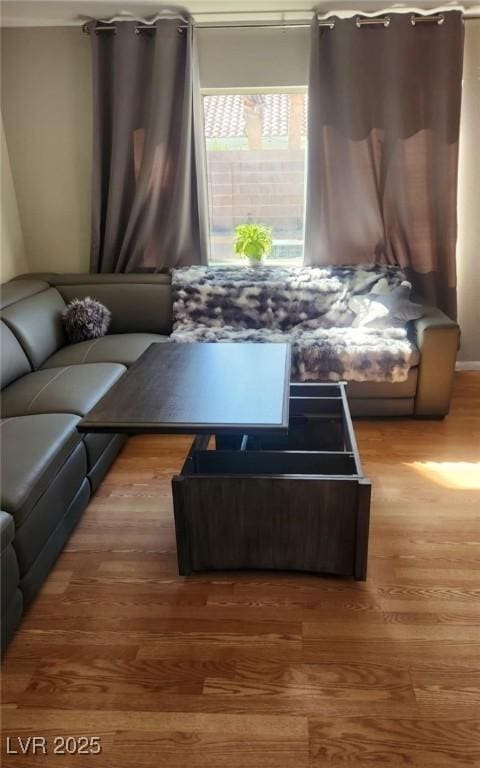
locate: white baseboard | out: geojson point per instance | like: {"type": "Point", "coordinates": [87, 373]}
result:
{"type": "Point", "coordinates": [473, 365]}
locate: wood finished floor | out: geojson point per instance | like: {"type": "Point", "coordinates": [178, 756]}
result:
{"type": "Point", "coordinates": [266, 670]}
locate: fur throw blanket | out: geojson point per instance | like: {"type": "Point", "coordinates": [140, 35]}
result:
{"type": "Point", "coordinates": [307, 307]}
{"type": "Point", "coordinates": [273, 297]}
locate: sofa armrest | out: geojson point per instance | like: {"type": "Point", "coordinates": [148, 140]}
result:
{"type": "Point", "coordinates": [437, 338]}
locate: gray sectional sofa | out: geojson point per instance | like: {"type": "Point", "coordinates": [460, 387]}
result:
{"type": "Point", "coordinates": [50, 471]}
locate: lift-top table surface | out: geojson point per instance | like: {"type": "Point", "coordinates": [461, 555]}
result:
{"type": "Point", "coordinates": [199, 389]}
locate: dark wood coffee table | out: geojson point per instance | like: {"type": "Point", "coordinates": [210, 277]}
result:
{"type": "Point", "coordinates": [282, 489]}
{"type": "Point", "coordinates": [199, 389]}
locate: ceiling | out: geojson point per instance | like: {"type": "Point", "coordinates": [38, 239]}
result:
{"type": "Point", "coordinates": [28, 13]}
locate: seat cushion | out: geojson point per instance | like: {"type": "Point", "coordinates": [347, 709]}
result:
{"type": "Point", "coordinates": [33, 450]}
{"type": "Point", "coordinates": [123, 348]}
{"type": "Point", "coordinates": [71, 389]}
{"type": "Point", "coordinates": [325, 354]}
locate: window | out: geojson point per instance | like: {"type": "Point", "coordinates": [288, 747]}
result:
{"type": "Point", "coordinates": [256, 169]}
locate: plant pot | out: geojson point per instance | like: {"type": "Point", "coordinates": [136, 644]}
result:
{"type": "Point", "coordinates": [254, 263]}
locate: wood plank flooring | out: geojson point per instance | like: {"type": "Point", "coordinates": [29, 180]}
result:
{"type": "Point", "coordinates": [265, 670]}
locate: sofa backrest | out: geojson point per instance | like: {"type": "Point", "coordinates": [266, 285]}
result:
{"type": "Point", "coordinates": [138, 302]}
{"type": "Point", "coordinates": [16, 290]}
{"type": "Point", "coordinates": [15, 363]}
{"type": "Point", "coordinates": [35, 320]}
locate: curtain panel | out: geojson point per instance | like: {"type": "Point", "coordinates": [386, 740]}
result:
{"type": "Point", "coordinates": [384, 115]}
{"type": "Point", "coordinates": [149, 198]}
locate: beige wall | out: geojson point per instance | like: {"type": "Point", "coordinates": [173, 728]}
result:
{"type": "Point", "coordinates": [13, 260]}
{"type": "Point", "coordinates": [46, 105]}
{"type": "Point", "coordinates": [468, 251]}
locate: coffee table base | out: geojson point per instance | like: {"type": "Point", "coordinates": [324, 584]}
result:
{"type": "Point", "coordinates": [297, 503]}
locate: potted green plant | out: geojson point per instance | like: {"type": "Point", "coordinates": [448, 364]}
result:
{"type": "Point", "coordinates": [254, 241]}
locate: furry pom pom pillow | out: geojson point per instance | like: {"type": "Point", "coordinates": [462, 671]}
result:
{"type": "Point", "coordinates": [85, 319]}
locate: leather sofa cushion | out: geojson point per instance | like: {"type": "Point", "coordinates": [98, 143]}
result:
{"type": "Point", "coordinates": [122, 348]}
{"type": "Point", "coordinates": [33, 450]}
{"type": "Point", "coordinates": [37, 323]}
{"type": "Point", "coordinates": [70, 389]}
{"type": "Point", "coordinates": [14, 361]}
{"type": "Point", "coordinates": [139, 307]}
{"type": "Point", "coordinates": [16, 290]}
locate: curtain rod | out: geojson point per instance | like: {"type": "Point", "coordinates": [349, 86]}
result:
{"type": "Point", "coordinates": [360, 21]}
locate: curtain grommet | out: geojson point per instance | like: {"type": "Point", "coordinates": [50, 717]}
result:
{"type": "Point", "coordinates": [414, 20]}
{"type": "Point", "coordinates": [374, 20]}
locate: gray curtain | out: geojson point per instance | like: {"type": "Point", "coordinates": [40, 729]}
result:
{"type": "Point", "coordinates": [384, 113]}
{"type": "Point", "coordinates": [149, 203]}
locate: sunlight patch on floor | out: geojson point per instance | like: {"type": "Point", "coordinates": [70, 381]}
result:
{"type": "Point", "coordinates": [462, 475]}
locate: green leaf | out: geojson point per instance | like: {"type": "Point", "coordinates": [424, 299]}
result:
{"type": "Point", "coordinates": [253, 240]}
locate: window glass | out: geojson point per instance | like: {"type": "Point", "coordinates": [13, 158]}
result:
{"type": "Point", "coordinates": [256, 169]}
